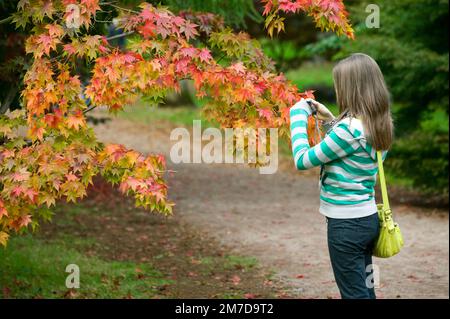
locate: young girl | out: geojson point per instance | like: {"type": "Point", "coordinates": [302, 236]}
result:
{"type": "Point", "coordinates": [347, 155]}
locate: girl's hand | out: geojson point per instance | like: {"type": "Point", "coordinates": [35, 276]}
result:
{"type": "Point", "coordinates": [323, 113]}
{"type": "Point", "coordinates": [304, 105]}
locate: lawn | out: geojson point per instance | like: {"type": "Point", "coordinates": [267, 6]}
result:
{"type": "Point", "coordinates": [31, 267]}
{"type": "Point", "coordinates": [142, 112]}
{"type": "Point", "coordinates": [311, 74]}
{"type": "Point", "coordinates": [124, 252]}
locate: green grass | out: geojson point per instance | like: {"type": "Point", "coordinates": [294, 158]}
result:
{"type": "Point", "coordinates": [236, 295]}
{"type": "Point", "coordinates": [311, 74]}
{"type": "Point", "coordinates": [34, 268]}
{"type": "Point", "coordinates": [183, 115]}
{"type": "Point", "coordinates": [229, 262]}
{"type": "Point", "coordinates": [241, 262]}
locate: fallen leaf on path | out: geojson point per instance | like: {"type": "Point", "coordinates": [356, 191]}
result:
{"type": "Point", "coordinates": [6, 292]}
{"type": "Point", "coordinates": [70, 294]}
{"type": "Point", "coordinates": [236, 280]}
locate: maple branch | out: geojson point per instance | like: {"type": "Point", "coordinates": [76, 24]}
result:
{"type": "Point", "coordinates": [119, 7]}
{"type": "Point", "coordinates": [117, 36]}
{"type": "Point", "coordinates": [89, 109]}
{"type": "Point", "coordinates": [102, 21]}
{"type": "Point", "coordinates": [123, 167]}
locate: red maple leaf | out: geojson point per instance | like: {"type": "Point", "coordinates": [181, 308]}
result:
{"type": "Point", "coordinates": [54, 30]}
{"type": "Point", "coordinates": [236, 280]}
{"type": "Point", "coordinates": [159, 196]}
{"type": "Point", "coordinates": [244, 94]}
{"type": "Point", "coordinates": [24, 220]}
{"type": "Point", "coordinates": [134, 183]}
{"type": "Point", "coordinates": [189, 52]}
{"type": "Point", "coordinates": [3, 211]}
{"type": "Point", "coordinates": [47, 42]}
{"type": "Point", "coordinates": [21, 175]}
{"type": "Point", "coordinates": [205, 55]}
{"type": "Point", "coordinates": [181, 66]}
{"type": "Point", "coordinates": [178, 21]}
{"type": "Point", "coordinates": [239, 68]}
{"type": "Point", "coordinates": [71, 177]}
{"type": "Point", "coordinates": [267, 7]}
{"type": "Point", "coordinates": [288, 6]}
{"type": "Point", "coordinates": [148, 29]}
{"type": "Point", "coordinates": [91, 5]}
{"type": "Point", "coordinates": [189, 30]}
{"type": "Point", "coordinates": [265, 113]}
{"type": "Point", "coordinates": [17, 191]}
{"type": "Point", "coordinates": [147, 14]}
{"type": "Point", "coordinates": [31, 194]}
{"type": "Point", "coordinates": [37, 132]}
{"type": "Point", "coordinates": [76, 121]}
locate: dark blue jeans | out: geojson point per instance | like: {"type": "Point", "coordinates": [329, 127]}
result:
{"type": "Point", "coordinates": [350, 244]}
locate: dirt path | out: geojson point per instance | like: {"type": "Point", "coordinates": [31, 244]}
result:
{"type": "Point", "coordinates": [275, 218]}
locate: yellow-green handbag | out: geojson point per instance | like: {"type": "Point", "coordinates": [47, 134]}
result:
{"type": "Point", "coordinates": [390, 240]}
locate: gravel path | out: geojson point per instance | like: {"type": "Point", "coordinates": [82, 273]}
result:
{"type": "Point", "coordinates": [275, 218]}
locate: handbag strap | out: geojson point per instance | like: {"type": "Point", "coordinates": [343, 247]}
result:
{"type": "Point", "coordinates": [384, 193]}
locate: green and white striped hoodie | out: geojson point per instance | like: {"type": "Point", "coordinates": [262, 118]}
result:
{"type": "Point", "coordinates": [349, 164]}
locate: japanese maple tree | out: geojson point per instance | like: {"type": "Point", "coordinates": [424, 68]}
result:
{"type": "Point", "coordinates": [59, 155]}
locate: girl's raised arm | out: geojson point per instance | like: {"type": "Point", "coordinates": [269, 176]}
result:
{"type": "Point", "coordinates": [339, 143]}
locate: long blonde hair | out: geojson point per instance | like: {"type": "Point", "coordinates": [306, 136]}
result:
{"type": "Point", "coordinates": [361, 92]}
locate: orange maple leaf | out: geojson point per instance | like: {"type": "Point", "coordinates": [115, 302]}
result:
{"type": "Point", "coordinates": [76, 121]}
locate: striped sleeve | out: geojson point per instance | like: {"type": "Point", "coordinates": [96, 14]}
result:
{"type": "Point", "coordinates": [339, 143]}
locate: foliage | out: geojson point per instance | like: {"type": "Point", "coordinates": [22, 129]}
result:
{"type": "Point", "coordinates": [289, 49]}
{"type": "Point", "coordinates": [423, 154]}
{"type": "Point", "coordinates": [329, 15]}
{"type": "Point", "coordinates": [285, 53]}
{"type": "Point", "coordinates": [59, 155]}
